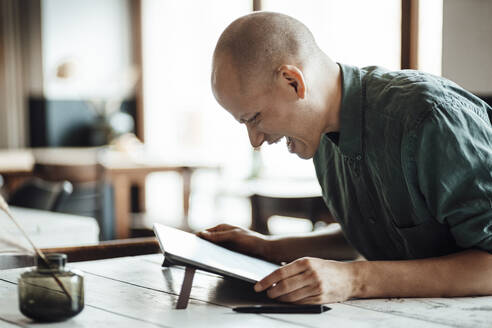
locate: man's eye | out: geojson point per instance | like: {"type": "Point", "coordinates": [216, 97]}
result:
{"type": "Point", "coordinates": [254, 118]}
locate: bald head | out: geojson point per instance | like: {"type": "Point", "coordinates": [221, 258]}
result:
{"type": "Point", "coordinates": [256, 44]}
{"type": "Point", "coordinates": [270, 75]}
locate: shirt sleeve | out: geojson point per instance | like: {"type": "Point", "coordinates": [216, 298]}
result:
{"type": "Point", "coordinates": [454, 170]}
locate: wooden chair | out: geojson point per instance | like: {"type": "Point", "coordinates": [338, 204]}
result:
{"type": "Point", "coordinates": [263, 207]}
{"type": "Point", "coordinates": [90, 195]}
{"type": "Point", "coordinates": [40, 194]}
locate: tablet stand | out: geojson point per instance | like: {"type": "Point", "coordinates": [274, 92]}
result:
{"type": "Point", "coordinates": [184, 294]}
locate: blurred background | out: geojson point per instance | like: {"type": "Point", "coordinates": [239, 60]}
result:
{"type": "Point", "coordinates": [108, 123]}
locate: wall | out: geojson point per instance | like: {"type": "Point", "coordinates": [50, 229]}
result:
{"type": "Point", "coordinates": [467, 44]}
{"type": "Point", "coordinates": [92, 40]}
{"type": "Point", "coordinates": [96, 36]}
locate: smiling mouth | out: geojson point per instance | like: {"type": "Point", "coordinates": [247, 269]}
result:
{"type": "Point", "coordinates": [274, 141]}
{"type": "Point", "coordinates": [289, 141]}
{"type": "Point", "coordinates": [290, 144]}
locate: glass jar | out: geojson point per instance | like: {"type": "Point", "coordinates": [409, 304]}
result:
{"type": "Point", "coordinates": [40, 296]}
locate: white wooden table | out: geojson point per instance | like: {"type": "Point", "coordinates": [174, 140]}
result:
{"type": "Point", "coordinates": [137, 292]}
{"type": "Point", "coordinates": [48, 229]}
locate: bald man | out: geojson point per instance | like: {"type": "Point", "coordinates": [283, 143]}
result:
{"type": "Point", "coordinates": [404, 160]}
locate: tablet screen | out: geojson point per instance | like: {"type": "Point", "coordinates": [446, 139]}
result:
{"type": "Point", "coordinates": [186, 248]}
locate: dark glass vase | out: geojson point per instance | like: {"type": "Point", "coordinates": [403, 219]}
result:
{"type": "Point", "coordinates": [40, 296]}
{"type": "Point", "coordinates": [100, 131]}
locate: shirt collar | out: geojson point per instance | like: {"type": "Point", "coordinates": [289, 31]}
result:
{"type": "Point", "coordinates": [351, 115]}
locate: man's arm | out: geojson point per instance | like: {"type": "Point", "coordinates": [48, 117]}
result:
{"type": "Point", "coordinates": [316, 281]}
{"type": "Point", "coordinates": [329, 244]}
{"type": "Point", "coordinates": [326, 244]}
{"type": "Point", "coordinates": [466, 273]}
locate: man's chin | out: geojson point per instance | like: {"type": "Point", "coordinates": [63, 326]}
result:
{"type": "Point", "coordinates": [300, 149]}
{"type": "Point", "coordinates": [302, 152]}
{"type": "Point", "coordinates": [304, 156]}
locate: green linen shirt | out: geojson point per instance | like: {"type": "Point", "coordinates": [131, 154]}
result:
{"type": "Point", "coordinates": [409, 174]}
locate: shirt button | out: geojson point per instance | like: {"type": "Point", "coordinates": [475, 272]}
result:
{"type": "Point", "coordinates": [359, 157]}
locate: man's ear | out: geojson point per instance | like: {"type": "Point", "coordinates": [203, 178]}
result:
{"type": "Point", "coordinates": [293, 77]}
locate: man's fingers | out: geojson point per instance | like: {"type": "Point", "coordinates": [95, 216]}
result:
{"type": "Point", "coordinates": [282, 273]}
{"type": "Point", "coordinates": [221, 227]}
{"type": "Point", "coordinates": [218, 236]}
{"type": "Point", "coordinates": [289, 285]}
{"type": "Point", "coordinates": [209, 233]}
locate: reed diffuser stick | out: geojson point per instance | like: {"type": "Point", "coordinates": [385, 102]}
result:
{"type": "Point", "coordinates": [5, 207]}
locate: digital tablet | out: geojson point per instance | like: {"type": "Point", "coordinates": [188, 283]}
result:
{"type": "Point", "coordinates": [183, 248]}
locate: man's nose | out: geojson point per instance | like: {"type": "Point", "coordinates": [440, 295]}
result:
{"type": "Point", "coordinates": [256, 138]}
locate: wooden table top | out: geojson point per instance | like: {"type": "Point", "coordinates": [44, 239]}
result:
{"type": "Point", "coordinates": [23, 160]}
{"type": "Point", "coordinates": [136, 291]}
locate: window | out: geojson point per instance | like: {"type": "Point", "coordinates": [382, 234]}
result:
{"type": "Point", "coordinates": [183, 120]}
{"type": "Point", "coordinates": [430, 36]}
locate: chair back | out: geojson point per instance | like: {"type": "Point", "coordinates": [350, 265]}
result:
{"type": "Point", "coordinates": [40, 194]}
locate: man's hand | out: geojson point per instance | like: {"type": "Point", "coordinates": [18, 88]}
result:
{"type": "Point", "coordinates": [238, 239]}
{"type": "Point", "coordinates": [317, 281]}
{"type": "Point", "coordinates": [310, 281]}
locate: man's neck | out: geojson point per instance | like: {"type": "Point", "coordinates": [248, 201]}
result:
{"type": "Point", "coordinates": [332, 86]}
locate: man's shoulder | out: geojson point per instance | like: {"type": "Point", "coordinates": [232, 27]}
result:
{"type": "Point", "coordinates": [410, 86]}
{"type": "Point", "coordinates": [384, 86]}
{"type": "Point", "coordinates": [399, 98]}
{"type": "Point", "coordinates": [408, 96]}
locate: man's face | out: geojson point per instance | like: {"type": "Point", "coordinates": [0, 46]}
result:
{"type": "Point", "coordinates": [270, 111]}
